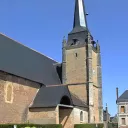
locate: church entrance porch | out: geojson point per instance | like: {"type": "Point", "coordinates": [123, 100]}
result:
{"type": "Point", "coordinates": [66, 116]}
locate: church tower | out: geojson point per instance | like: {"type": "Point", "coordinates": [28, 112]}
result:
{"type": "Point", "coordinates": [81, 65]}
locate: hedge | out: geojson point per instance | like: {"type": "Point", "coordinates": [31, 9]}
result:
{"type": "Point", "coordinates": [88, 126]}
{"type": "Point", "coordinates": [30, 125]}
{"type": "Point", "coordinates": [6, 126]}
{"type": "Point", "coordinates": [112, 125]}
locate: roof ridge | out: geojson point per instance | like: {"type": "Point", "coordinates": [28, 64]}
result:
{"type": "Point", "coordinates": [123, 96]}
{"type": "Point", "coordinates": [28, 47]}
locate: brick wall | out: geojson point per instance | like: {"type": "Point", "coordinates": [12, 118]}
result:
{"type": "Point", "coordinates": [76, 76]}
{"type": "Point", "coordinates": [96, 105]}
{"type": "Point", "coordinates": [95, 87]}
{"type": "Point", "coordinates": [42, 115]}
{"type": "Point", "coordinates": [76, 72]}
{"type": "Point", "coordinates": [66, 117]}
{"type": "Point", "coordinates": [79, 92]}
{"type": "Point", "coordinates": [77, 111]}
{"type": "Point", "coordinates": [16, 94]}
{"type": "Point", "coordinates": [76, 65]}
{"type": "Point", "coordinates": [94, 67]}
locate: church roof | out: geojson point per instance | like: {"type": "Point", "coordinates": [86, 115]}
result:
{"type": "Point", "coordinates": [123, 97]}
{"type": "Point", "coordinates": [50, 96]}
{"type": "Point", "coordinates": [22, 61]}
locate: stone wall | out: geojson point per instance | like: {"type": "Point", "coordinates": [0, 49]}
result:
{"type": "Point", "coordinates": [77, 111]}
{"type": "Point", "coordinates": [70, 116]}
{"type": "Point", "coordinates": [81, 75]}
{"type": "Point", "coordinates": [79, 92]}
{"type": "Point", "coordinates": [42, 115]}
{"type": "Point", "coordinates": [16, 94]}
{"type": "Point", "coordinates": [94, 67]}
{"type": "Point", "coordinates": [76, 73]}
{"type": "Point", "coordinates": [96, 105]}
{"type": "Point", "coordinates": [66, 117]}
{"type": "Point", "coordinates": [95, 88]}
{"type": "Point", "coordinates": [76, 65]}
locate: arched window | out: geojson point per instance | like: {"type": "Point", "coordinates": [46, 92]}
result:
{"type": "Point", "coordinates": [9, 93]}
{"type": "Point", "coordinates": [65, 100]}
{"type": "Point", "coordinates": [81, 116]}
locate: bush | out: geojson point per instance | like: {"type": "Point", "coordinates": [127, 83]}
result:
{"type": "Point", "coordinates": [100, 125]}
{"type": "Point", "coordinates": [89, 126]}
{"type": "Point", "coordinates": [112, 125]}
{"type": "Point", "coordinates": [6, 126]}
{"type": "Point", "coordinates": [30, 126]}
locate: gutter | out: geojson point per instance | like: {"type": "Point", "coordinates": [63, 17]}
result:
{"type": "Point", "coordinates": [66, 106]}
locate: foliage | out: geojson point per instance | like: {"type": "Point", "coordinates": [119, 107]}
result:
{"type": "Point", "coordinates": [112, 125]}
{"type": "Point", "coordinates": [30, 126]}
{"type": "Point", "coordinates": [89, 126]}
{"type": "Point", "coordinates": [6, 126]}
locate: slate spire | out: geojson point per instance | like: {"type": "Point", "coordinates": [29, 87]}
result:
{"type": "Point", "coordinates": [79, 33]}
{"type": "Point", "coordinates": [80, 14]}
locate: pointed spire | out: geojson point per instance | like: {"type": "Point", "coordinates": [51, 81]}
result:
{"type": "Point", "coordinates": [80, 29]}
{"type": "Point", "coordinates": [80, 14]}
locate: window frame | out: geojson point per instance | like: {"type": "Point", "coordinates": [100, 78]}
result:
{"type": "Point", "coordinates": [81, 116]}
{"type": "Point", "coordinates": [122, 109]}
{"type": "Point", "coordinates": [9, 95]}
{"type": "Point", "coordinates": [123, 121]}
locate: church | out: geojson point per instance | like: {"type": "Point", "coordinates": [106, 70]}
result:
{"type": "Point", "coordinates": [37, 89]}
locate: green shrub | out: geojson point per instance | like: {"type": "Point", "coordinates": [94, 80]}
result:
{"type": "Point", "coordinates": [30, 126]}
{"type": "Point", "coordinates": [89, 126]}
{"type": "Point", "coordinates": [100, 125]}
{"type": "Point", "coordinates": [39, 126]}
{"type": "Point", "coordinates": [6, 126]}
{"type": "Point", "coordinates": [112, 125]}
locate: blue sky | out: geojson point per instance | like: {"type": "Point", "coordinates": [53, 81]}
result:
{"type": "Point", "coordinates": [41, 25]}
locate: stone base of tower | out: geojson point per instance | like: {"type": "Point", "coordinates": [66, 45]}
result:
{"type": "Point", "coordinates": [68, 117]}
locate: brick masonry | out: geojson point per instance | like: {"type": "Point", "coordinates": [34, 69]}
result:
{"type": "Point", "coordinates": [16, 94]}
{"type": "Point", "coordinates": [15, 100]}
{"type": "Point", "coordinates": [94, 67]}
{"type": "Point", "coordinates": [95, 87]}
{"type": "Point", "coordinates": [79, 92]}
{"type": "Point", "coordinates": [81, 72]}
{"type": "Point", "coordinates": [70, 116]}
{"type": "Point", "coordinates": [99, 84]}
{"type": "Point", "coordinates": [77, 111]}
{"type": "Point", "coordinates": [66, 117]}
{"type": "Point", "coordinates": [96, 105]}
{"type": "Point", "coordinates": [42, 115]}
{"type": "Point", "coordinates": [76, 66]}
